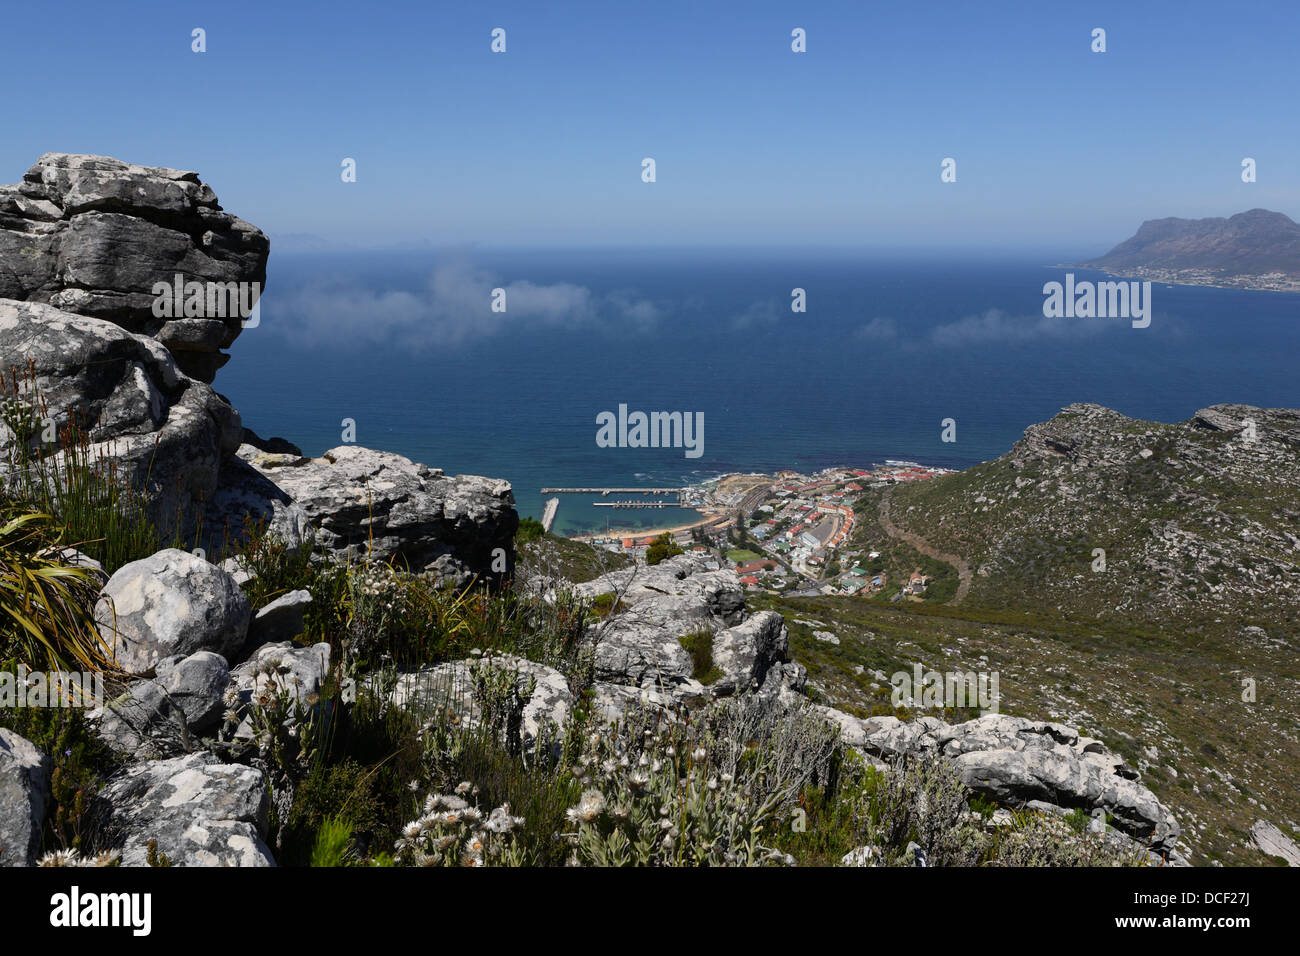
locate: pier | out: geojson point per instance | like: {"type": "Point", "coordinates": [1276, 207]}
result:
{"type": "Point", "coordinates": [633, 504]}
{"type": "Point", "coordinates": [548, 514]}
{"type": "Point", "coordinates": [611, 491]}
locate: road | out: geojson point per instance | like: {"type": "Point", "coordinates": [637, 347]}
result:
{"type": "Point", "coordinates": [916, 541]}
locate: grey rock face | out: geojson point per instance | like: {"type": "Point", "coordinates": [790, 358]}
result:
{"type": "Point", "coordinates": [281, 620]}
{"type": "Point", "coordinates": [386, 506]}
{"type": "Point", "coordinates": [157, 717]}
{"type": "Point", "coordinates": [745, 653]}
{"type": "Point", "coordinates": [452, 685]}
{"type": "Point", "coordinates": [165, 432]}
{"type": "Point", "coordinates": [92, 235]}
{"type": "Point", "coordinates": [277, 668]}
{"type": "Point", "coordinates": [244, 494]}
{"type": "Point", "coordinates": [640, 644]}
{"type": "Point", "coordinates": [24, 790]}
{"type": "Point", "coordinates": [171, 603]}
{"type": "Point", "coordinates": [200, 811]}
{"type": "Point", "coordinates": [1274, 842]}
{"type": "Point", "coordinates": [1020, 762]}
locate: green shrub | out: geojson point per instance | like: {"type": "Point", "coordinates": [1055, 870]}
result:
{"type": "Point", "coordinates": [699, 644]}
{"type": "Point", "coordinates": [81, 761]}
{"type": "Point", "coordinates": [46, 607]}
{"type": "Point", "coordinates": [660, 548]}
{"type": "Point", "coordinates": [103, 514]}
{"type": "Point", "coordinates": [333, 840]}
{"type": "Point", "coordinates": [530, 529]}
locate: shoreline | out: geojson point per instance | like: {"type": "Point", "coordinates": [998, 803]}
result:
{"type": "Point", "coordinates": [1293, 289]}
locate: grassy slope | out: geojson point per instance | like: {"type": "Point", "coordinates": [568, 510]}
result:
{"type": "Point", "coordinates": [1150, 655]}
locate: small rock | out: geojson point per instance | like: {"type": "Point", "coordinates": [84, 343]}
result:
{"type": "Point", "coordinates": [24, 787]}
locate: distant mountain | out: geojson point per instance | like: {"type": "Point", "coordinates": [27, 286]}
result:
{"type": "Point", "coordinates": [1235, 251]}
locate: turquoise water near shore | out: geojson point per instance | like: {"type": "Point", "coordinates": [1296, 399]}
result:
{"type": "Point", "coordinates": [406, 344]}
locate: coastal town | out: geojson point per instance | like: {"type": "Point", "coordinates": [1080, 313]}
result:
{"type": "Point", "coordinates": [789, 533]}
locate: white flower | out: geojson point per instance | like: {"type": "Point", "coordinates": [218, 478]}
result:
{"type": "Point", "coordinates": [589, 808]}
{"type": "Point", "coordinates": [59, 858]}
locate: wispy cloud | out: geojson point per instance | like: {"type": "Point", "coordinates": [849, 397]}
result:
{"type": "Point", "coordinates": [455, 307]}
{"type": "Point", "coordinates": [996, 327]}
{"type": "Point", "coordinates": [759, 314]}
{"type": "Point", "coordinates": [879, 329]}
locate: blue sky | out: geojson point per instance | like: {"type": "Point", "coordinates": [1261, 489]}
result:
{"type": "Point", "coordinates": [1056, 146]}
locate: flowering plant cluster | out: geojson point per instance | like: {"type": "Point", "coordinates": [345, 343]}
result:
{"type": "Point", "coordinates": [660, 791]}
{"type": "Point", "coordinates": [452, 832]}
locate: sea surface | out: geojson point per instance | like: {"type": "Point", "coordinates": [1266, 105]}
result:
{"type": "Point", "coordinates": [407, 346]}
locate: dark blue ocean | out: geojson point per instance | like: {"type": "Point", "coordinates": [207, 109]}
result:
{"type": "Point", "coordinates": [406, 344]}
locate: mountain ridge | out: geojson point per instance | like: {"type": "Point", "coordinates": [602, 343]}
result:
{"type": "Point", "coordinates": [1257, 248]}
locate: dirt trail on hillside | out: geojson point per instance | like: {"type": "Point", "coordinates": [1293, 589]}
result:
{"type": "Point", "coordinates": [916, 541]}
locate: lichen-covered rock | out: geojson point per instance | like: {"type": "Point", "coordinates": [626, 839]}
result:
{"type": "Point", "coordinates": [640, 644]}
{"type": "Point", "coordinates": [24, 792]}
{"type": "Point", "coordinates": [385, 506]}
{"type": "Point", "coordinates": [93, 235]}
{"type": "Point", "coordinates": [745, 653]}
{"type": "Point", "coordinates": [171, 603]}
{"type": "Point", "coordinates": [157, 717]}
{"type": "Point", "coordinates": [280, 668]}
{"type": "Point", "coordinates": [452, 685]}
{"type": "Point", "coordinates": [1018, 762]}
{"type": "Point", "coordinates": [164, 432]}
{"type": "Point", "coordinates": [199, 811]}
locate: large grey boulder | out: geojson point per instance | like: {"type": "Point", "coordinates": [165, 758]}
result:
{"type": "Point", "coordinates": [171, 603]}
{"type": "Point", "coordinates": [24, 790]}
{"type": "Point", "coordinates": [164, 432]}
{"type": "Point", "coordinates": [157, 717]}
{"type": "Point", "coordinates": [640, 643]}
{"type": "Point", "coordinates": [92, 235]}
{"type": "Point", "coordinates": [384, 506]}
{"type": "Point", "coordinates": [199, 811]}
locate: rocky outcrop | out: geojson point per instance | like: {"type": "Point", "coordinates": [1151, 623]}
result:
{"type": "Point", "coordinates": [166, 433]}
{"type": "Point", "coordinates": [640, 643]}
{"type": "Point", "coordinates": [167, 604]}
{"type": "Point", "coordinates": [24, 790]}
{"type": "Point", "coordinates": [93, 235]}
{"type": "Point", "coordinates": [84, 242]}
{"type": "Point", "coordinates": [198, 811]}
{"type": "Point", "coordinates": [375, 503]}
{"type": "Point", "coordinates": [1018, 763]}
{"type": "Point", "coordinates": [1274, 842]}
